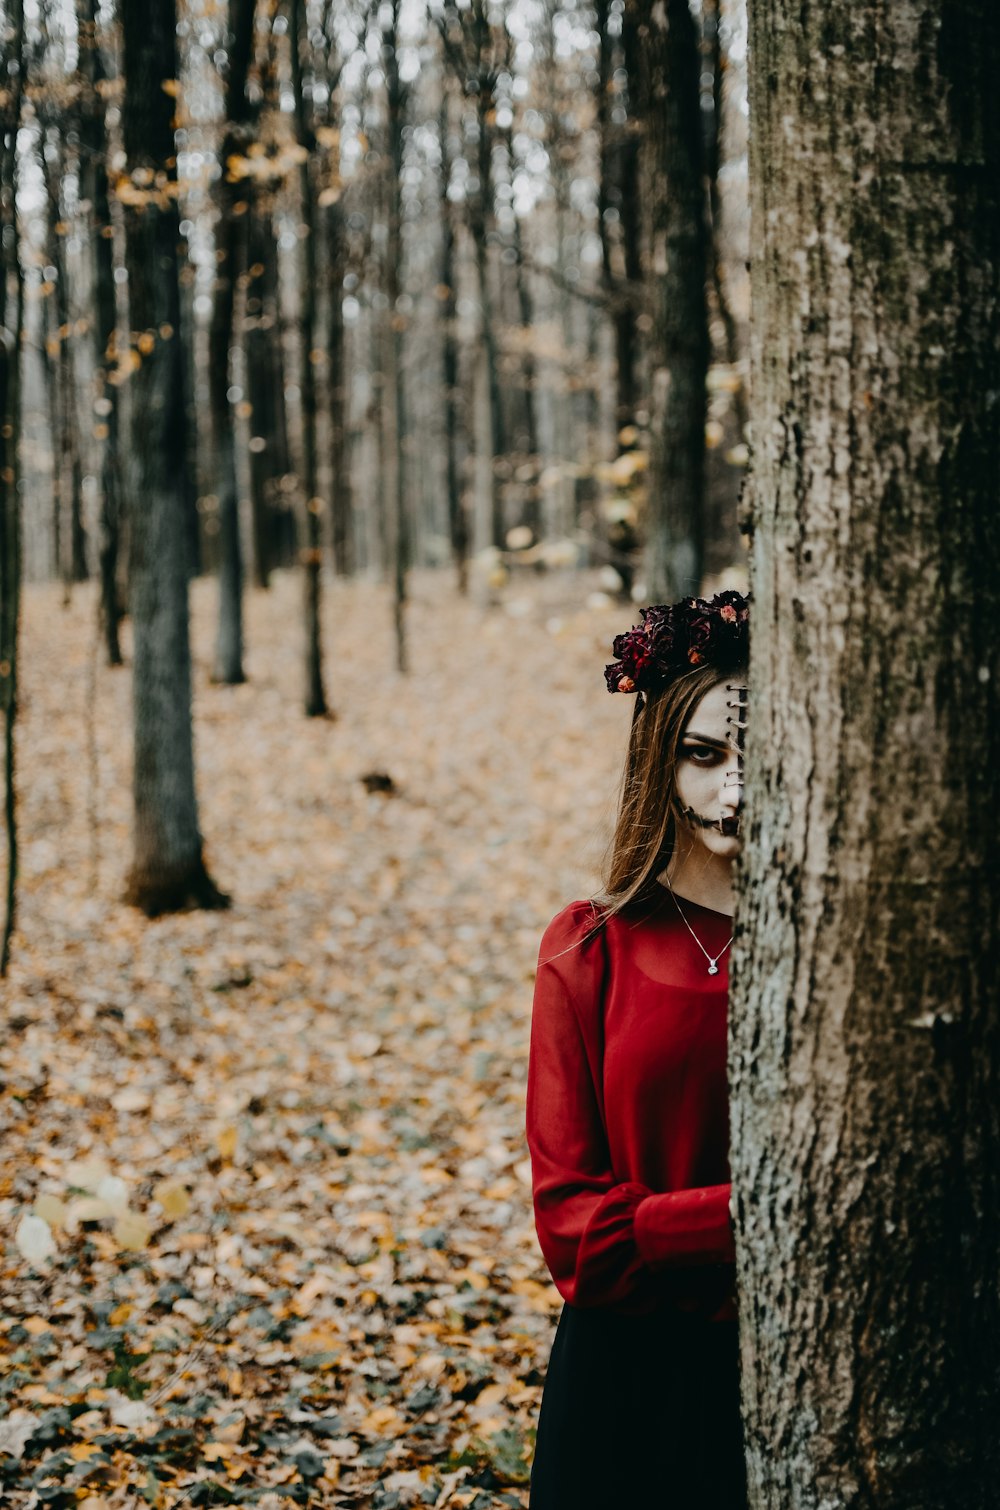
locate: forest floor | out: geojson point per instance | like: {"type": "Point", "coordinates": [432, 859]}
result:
{"type": "Point", "coordinates": [266, 1204]}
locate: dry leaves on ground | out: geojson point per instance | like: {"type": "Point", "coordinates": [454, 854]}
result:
{"type": "Point", "coordinates": [266, 1207]}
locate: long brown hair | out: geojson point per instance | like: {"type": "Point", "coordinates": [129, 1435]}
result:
{"type": "Point", "coordinates": [648, 811]}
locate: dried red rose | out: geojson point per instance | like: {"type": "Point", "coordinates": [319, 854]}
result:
{"type": "Point", "coordinates": [673, 637]}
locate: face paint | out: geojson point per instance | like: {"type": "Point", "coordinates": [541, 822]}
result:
{"type": "Point", "coordinates": [726, 826]}
{"type": "Point", "coordinates": [710, 769]}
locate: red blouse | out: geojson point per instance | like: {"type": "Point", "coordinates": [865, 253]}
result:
{"type": "Point", "coordinates": [627, 1116]}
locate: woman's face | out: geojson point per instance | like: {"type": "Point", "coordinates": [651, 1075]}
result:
{"type": "Point", "coordinates": [709, 770]}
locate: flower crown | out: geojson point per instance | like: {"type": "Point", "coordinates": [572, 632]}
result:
{"type": "Point", "coordinates": [676, 637]}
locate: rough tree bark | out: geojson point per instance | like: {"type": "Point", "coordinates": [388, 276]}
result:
{"type": "Point", "coordinates": [231, 202]}
{"type": "Point", "coordinates": [11, 326]}
{"type": "Point", "coordinates": [866, 1000]}
{"type": "Point", "coordinates": [168, 871]}
{"type": "Point", "coordinates": [678, 254]}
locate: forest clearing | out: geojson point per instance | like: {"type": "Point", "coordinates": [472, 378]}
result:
{"type": "Point", "coordinates": [314, 1272]}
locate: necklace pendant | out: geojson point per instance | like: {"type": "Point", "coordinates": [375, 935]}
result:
{"type": "Point", "coordinates": [713, 968]}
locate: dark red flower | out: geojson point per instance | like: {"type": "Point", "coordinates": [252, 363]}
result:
{"type": "Point", "coordinates": [675, 636]}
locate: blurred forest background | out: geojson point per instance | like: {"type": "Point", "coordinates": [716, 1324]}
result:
{"type": "Point", "coordinates": [363, 367]}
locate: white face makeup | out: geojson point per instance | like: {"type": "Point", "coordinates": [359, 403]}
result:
{"type": "Point", "coordinates": [710, 770]}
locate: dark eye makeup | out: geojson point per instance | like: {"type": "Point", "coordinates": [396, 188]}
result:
{"type": "Point", "coordinates": [704, 755]}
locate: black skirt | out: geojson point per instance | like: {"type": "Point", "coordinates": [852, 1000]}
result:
{"type": "Point", "coordinates": [640, 1413]}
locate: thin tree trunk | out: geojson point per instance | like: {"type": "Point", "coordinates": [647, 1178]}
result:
{"type": "Point", "coordinates": [11, 327]}
{"type": "Point", "coordinates": [458, 522]}
{"type": "Point", "coordinates": [678, 254]}
{"type": "Point", "coordinates": [312, 552]}
{"type": "Point", "coordinates": [618, 196]}
{"type": "Point", "coordinates": [712, 20]}
{"type": "Point", "coordinates": [531, 510]}
{"type": "Point", "coordinates": [94, 190]}
{"type": "Point", "coordinates": [231, 197]}
{"type": "Point", "coordinates": [866, 1005]}
{"type": "Point", "coordinates": [497, 442]}
{"type": "Point", "coordinates": [57, 339]}
{"type": "Point", "coordinates": [261, 336]}
{"type": "Point", "coordinates": [395, 101]}
{"type": "Point", "coordinates": [343, 499]}
{"type": "Point", "coordinates": [168, 871]}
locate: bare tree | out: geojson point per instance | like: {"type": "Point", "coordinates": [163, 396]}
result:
{"type": "Point", "coordinates": [312, 549]}
{"type": "Point", "coordinates": [11, 326]}
{"type": "Point", "coordinates": [231, 200]}
{"type": "Point", "coordinates": [866, 1009]}
{"type": "Point", "coordinates": [168, 869]}
{"type": "Point", "coordinates": [474, 45]}
{"type": "Point", "coordinates": [395, 92]}
{"type": "Point", "coordinates": [96, 207]}
{"type": "Point", "coordinates": [679, 348]}
{"type": "Point", "coordinates": [458, 522]}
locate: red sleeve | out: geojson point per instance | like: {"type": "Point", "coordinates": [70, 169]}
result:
{"type": "Point", "coordinates": [601, 1238]}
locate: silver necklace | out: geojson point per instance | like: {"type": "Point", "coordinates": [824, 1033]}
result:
{"type": "Point", "coordinates": [713, 964]}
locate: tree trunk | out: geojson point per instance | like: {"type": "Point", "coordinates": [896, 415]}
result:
{"type": "Point", "coordinates": [342, 512]}
{"type": "Point", "coordinates": [11, 326]}
{"type": "Point", "coordinates": [618, 201]}
{"type": "Point", "coordinates": [458, 521]}
{"type": "Point", "coordinates": [678, 254]}
{"type": "Point", "coordinates": [866, 1004]}
{"type": "Point", "coordinates": [231, 197]}
{"type": "Point", "coordinates": [531, 515]}
{"type": "Point", "coordinates": [312, 552]}
{"type": "Point", "coordinates": [67, 481]}
{"type": "Point", "coordinates": [94, 190]}
{"type": "Point", "coordinates": [712, 22]}
{"type": "Point", "coordinates": [168, 871]}
{"type": "Point", "coordinates": [395, 104]}
{"type": "Point", "coordinates": [480, 223]}
{"type": "Point", "coordinates": [262, 346]}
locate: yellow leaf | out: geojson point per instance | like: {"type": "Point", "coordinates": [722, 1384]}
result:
{"type": "Point", "coordinates": [36, 1325]}
{"type": "Point", "coordinates": [232, 1432]}
{"type": "Point", "coordinates": [119, 1314]}
{"type": "Point", "coordinates": [172, 1196]}
{"type": "Point", "coordinates": [380, 1420]}
{"type": "Point", "coordinates": [491, 1395]}
{"type": "Point", "coordinates": [475, 1279]}
{"type": "Point", "coordinates": [302, 1303]}
{"type": "Point", "coordinates": [81, 1451]}
{"type": "Point", "coordinates": [225, 1141]}
{"type": "Point", "coordinates": [132, 1231]}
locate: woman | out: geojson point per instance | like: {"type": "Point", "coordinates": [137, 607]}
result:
{"type": "Point", "coordinates": [627, 1114]}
